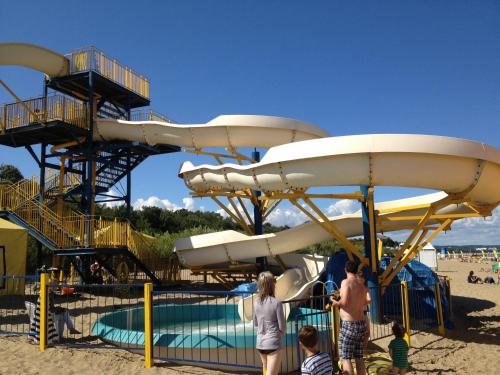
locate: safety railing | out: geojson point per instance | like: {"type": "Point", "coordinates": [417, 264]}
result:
{"type": "Point", "coordinates": [148, 115]}
{"type": "Point", "coordinates": [92, 59]}
{"type": "Point", "coordinates": [18, 295]}
{"type": "Point", "coordinates": [42, 110]}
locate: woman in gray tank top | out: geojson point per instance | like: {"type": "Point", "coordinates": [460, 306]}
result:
{"type": "Point", "coordinates": [269, 319]}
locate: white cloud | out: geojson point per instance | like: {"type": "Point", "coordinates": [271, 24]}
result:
{"type": "Point", "coordinates": [188, 203]}
{"type": "Point", "coordinates": [342, 207]}
{"type": "Point", "coordinates": [286, 216]}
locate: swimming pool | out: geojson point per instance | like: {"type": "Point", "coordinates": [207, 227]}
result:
{"type": "Point", "coordinates": [206, 334]}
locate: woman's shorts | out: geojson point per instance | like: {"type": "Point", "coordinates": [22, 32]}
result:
{"type": "Point", "coordinates": [262, 351]}
{"type": "Point", "coordinates": [352, 334]}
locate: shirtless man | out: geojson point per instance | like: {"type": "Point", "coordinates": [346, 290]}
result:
{"type": "Point", "coordinates": [352, 303]}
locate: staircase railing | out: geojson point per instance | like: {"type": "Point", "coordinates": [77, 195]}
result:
{"type": "Point", "coordinates": [66, 230]}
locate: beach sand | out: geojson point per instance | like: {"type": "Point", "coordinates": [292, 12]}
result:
{"type": "Point", "coordinates": [473, 347]}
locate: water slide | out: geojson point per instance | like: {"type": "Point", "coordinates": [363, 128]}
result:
{"type": "Point", "coordinates": [305, 159]}
{"type": "Point", "coordinates": [223, 131]}
{"type": "Point", "coordinates": [466, 170]}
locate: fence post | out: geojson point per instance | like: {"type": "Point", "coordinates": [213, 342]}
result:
{"type": "Point", "coordinates": [405, 310]}
{"type": "Point", "coordinates": [43, 311]}
{"type": "Point", "coordinates": [72, 274]}
{"type": "Point", "coordinates": [148, 325]}
{"type": "Point", "coordinates": [439, 308]}
{"type": "Point", "coordinates": [448, 294]}
{"type": "Point", "coordinates": [335, 332]}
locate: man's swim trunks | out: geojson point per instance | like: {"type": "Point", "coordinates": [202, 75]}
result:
{"type": "Point", "coordinates": [351, 339]}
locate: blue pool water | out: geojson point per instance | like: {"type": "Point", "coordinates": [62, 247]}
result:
{"type": "Point", "coordinates": [205, 326]}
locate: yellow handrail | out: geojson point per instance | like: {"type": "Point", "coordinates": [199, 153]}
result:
{"type": "Point", "coordinates": [41, 109]}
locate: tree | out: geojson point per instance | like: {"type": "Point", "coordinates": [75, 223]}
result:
{"type": "Point", "coordinates": [10, 173]}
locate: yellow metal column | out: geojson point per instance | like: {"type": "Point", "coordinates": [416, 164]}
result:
{"type": "Point", "coordinates": [43, 311]}
{"type": "Point", "coordinates": [439, 309]}
{"type": "Point", "coordinates": [148, 325]}
{"type": "Point", "coordinates": [405, 311]}
{"type": "Point", "coordinates": [335, 332]}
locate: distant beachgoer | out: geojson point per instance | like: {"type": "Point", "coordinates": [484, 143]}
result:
{"type": "Point", "coordinates": [269, 318]}
{"type": "Point", "coordinates": [489, 280]}
{"type": "Point", "coordinates": [398, 349]}
{"type": "Point", "coordinates": [316, 362]}
{"type": "Point", "coordinates": [473, 279]}
{"type": "Point", "coordinates": [352, 303]}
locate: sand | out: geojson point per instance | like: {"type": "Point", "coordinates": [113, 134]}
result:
{"type": "Point", "coordinates": [473, 347]}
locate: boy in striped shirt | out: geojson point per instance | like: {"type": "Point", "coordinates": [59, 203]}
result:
{"type": "Point", "coordinates": [316, 363]}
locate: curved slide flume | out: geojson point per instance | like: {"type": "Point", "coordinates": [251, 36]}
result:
{"type": "Point", "coordinates": [35, 57]}
{"type": "Point", "coordinates": [223, 131]}
{"type": "Point", "coordinates": [230, 246]}
{"type": "Point", "coordinates": [449, 164]}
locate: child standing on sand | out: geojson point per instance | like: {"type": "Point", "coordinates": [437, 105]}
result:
{"type": "Point", "coordinates": [398, 349]}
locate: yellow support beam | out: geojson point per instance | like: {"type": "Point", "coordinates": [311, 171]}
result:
{"type": "Point", "coordinates": [332, 228]}
{"type": "Point", "coordinates": [405, 308]}
{"type": "Point", "coordinates": [43, 310]}
{"type": "Point", "coordinates": [148, 325]}
{"type": "Point", "coordinates": [411, 254]}
{"type": "Point", "coordinates": [243, 207]}
{"type": "Point", "coordinates": [407, 243]}
{"type": "Point", "coordinates": [380, 247]}
{"type": "Point", "coordinates": [432, 217]}
{"type": "Point", "coordinates": [373, 234]}
{"type": "Point", "coordinates": [389, 273]}
{"type": "Point", "coordinates": [240, 216]}
{"type": "Point", "coordinates": [243, 224]}
{"type": "Point", "coordinates": [335, 332]}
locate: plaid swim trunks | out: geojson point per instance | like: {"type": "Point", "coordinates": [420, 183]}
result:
{"type": "Point", "coordinates": [351, 339]}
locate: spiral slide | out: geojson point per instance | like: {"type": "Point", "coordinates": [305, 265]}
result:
{"type": "Point", "coordinates": [465, 170]}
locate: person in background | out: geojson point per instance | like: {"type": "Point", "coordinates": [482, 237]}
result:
{"type": "Point", "coordinates": [489, 280]}
{"type": "Point", "coordinates": [473, 279]}
{"type": "Point", "coordinates": [269, 319]}
{"type": "Point", "coordinates": [316, 362]}
{"type": "Point", "coordinates": [398, 349]}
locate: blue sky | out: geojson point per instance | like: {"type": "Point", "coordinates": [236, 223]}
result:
{"type": "Point", "coordinates": [429, 67]}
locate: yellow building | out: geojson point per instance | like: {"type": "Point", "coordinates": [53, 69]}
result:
{"type": "Point", "coordinates": [13, 248]}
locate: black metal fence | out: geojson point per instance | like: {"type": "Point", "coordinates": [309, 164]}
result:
{"type": "Point", "coordinates": [18, 296]}
{"type": "Point", "coordinates": [209, 328]}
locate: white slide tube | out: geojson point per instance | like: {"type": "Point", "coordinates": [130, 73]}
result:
{"type": "Point", "coordinates": [421, 161]}
{"type": "Point", "coordinates": [230, 246]}
{"type": "Point", "coordinates": [31, 56]}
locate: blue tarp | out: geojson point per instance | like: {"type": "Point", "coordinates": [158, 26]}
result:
{"type": "Point", "coordinates": [245, 289]}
